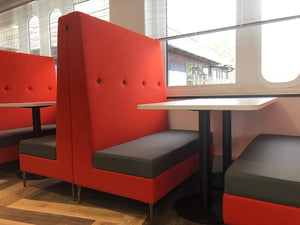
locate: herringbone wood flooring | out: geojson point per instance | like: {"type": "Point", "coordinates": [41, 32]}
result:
{"type": "Point", "coordinates": [48, 201]}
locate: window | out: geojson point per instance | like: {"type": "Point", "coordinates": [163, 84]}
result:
{"type": "Point", "coordinates": [53, 23]}
{"type": "Point", "coordinates": [32, 27]}
{"type": "Point", "coordinates": [212, 57]}
{"type": "Point", "coordinates": [96, 8]}
{"type": "Point", "coordinates": [202, 60]}
{"type": "Point", "coordinates": [280, 43]}
{"type": "Point", "coordinates": [9, 38]}
{"type": "Point", "coordinates": [34, 35]}
{"type": "Point", "coordinates": [217, 47]}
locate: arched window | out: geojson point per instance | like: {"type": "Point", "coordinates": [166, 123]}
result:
{"type": "Point", "coordinates": [34, 35]}
{"type": "Point", "coordinates": [280, 45]}
{"type": "Point", "coordinates": [53, 22]}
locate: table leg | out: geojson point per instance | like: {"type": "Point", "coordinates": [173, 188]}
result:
{"type": "Point", "coordinates": [199, 207]}
{"type": "Point", "coordinates": [36, 120]}
{"type": "Point", "coordinates": [204, 159]}
{"type": "Point", "coordinates": [227, 152]}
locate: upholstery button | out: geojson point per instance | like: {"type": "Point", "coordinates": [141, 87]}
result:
{"type": "Point", "coordinates": [98, 81]}
{"type": "Point", "coordinates": [158, 84]}
{"type": "Point", "coordinates": [6, 88]}
{"type": "Point", "coordinates": [29, 88]}
{"type": "Point", "coordinates": [124, 82]}
{"type": "Point", "coordinates": [143, 83]}
{"type": "Point", "coordinates": [49, 88]}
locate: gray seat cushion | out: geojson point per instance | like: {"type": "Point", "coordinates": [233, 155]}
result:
{"type": "Point", "coordinates": [268, 170]}
{"type": "Point", "coordinates": [44, 147]}
{"type": "Point", "coordinates": [12, 137]}
{"type": "Point", "coordinates": [148, 156]}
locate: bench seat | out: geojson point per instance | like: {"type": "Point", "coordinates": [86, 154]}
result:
{"type": "Point", "coordinates": [12, 137]}
{"type": "Point", "coordinates": [148, 156]}
{"type": "Point", "coordinates": [268, 170]}
{"type": "Point", "coordinates": [44, 147]}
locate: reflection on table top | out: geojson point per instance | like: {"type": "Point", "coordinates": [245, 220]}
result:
{"type": "Point", "coordinates": [28, 104]}
{"type": "Point", "coordinates": [212, 104]}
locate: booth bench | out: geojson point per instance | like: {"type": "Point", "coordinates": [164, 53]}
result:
{"type": "Point", "coordinates": [117, 148]}
{"type": "Point", "coordinates": [24, 78]}
{"type": "Point", "coordinates": [263, 185]}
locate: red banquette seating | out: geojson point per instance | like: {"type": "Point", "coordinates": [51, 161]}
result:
{"type": "Point", "coordinates": [116, 147]}
{"type": "Point", "coordinates": [24, 78]}
{"type": "Point", "coordinates": [263, 185]}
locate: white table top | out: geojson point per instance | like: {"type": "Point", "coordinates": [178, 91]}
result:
{"type": "Point", "coordinates": [212, 104]}
{"type": "Point", "coordinates": [28, 104]}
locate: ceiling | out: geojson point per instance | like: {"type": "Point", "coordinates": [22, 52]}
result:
{"type": "Point", "coordinates": [10, 4]}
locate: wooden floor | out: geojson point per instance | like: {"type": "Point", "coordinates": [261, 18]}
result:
{"type": "Point", "coordinates": [48, 201]}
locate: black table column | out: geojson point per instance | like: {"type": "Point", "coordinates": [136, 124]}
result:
{"type": "Point", "coordinates": [198, 207]}
{"type": "Point", "coordinates": [227, 152]}
{"type": "Point", "coordinates": [36, 120]}
{"type": "Point", "coordinates": [204, 159]}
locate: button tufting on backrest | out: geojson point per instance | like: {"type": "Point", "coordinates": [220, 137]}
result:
{"type": "Point", "coordinates": [143, 83]}
{"type": "Point", "coordinates": [98, 81]}
{"type": "Point", "coordinates": [158, 84]}
{"type": "Point", "coordinates": [6, 88]}
{"type": "Point", "coordinates": [49, 88]}
{"type": "Point", "coordinates": [124, 82]}
{"type": "Point", "coordinates": [29, 88]}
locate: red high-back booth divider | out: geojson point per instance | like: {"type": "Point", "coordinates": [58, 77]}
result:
{"type": "Point", "coordinates": [111, 71]}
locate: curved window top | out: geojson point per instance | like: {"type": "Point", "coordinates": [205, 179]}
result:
{"type": "Point", "coordinates": [53, 23]}
{"type": "Point", "coordinates": [280, 45]}
{"type": "Point", "coordinates": [34, 35]}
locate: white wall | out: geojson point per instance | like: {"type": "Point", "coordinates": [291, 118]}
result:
{"type": "Point", "coordinates": [128, 14]}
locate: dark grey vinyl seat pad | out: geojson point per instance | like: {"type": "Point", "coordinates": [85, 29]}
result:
{"type": "Point", "coordinates": [12, 137]}
{"type": "Point", "coordinates": [44, 147]}
{"type": "Point", "coordinates": [148, 156]}
{"type": "Point", "coordinates": [267, 170]}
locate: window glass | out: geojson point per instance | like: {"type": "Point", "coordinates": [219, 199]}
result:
{"type": "Point", "coordinates": [205, 59]}
{"type": "Point", "coordinates": [34, 35]}
{"type": "Point", "coordinates": [280, 44]}
{"type": "Point", "coordinates": [96, 8]}
{"type": "Point", "coordinates": [9, 38]}
{"type": "Point", "coordinates": [53, 23]}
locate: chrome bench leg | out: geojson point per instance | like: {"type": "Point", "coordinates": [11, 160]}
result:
{"type": "Point", "coordinates": [24, 178]}
{"type": "Point", "coordinates": [73, 191]}
{"type": "Point", "coordinates": [78, 193]}
{"type": "Point", "coordinates": [151, 213]}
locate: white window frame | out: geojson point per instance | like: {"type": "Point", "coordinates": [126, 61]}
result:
{"type": "Point", "coordinates": [249, 78]}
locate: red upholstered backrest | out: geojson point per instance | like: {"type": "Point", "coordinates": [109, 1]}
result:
{"type": "Point", "coordinates": [25, 78]}
{"type": "Point", "coordinates": [111, 70]}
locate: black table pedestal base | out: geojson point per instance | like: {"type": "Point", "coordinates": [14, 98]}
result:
{"type": "Point", "coordinates": [189, 207]}
{"type": "Point", "coordinates": [217, 181]}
